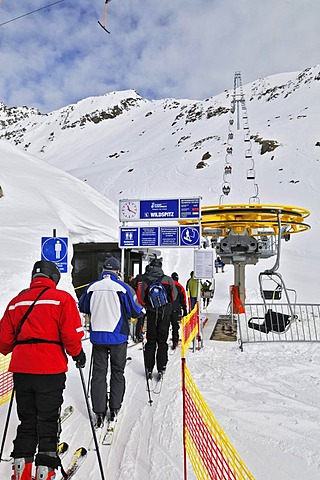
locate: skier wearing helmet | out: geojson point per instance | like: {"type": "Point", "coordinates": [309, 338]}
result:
{"type": "Point", "coordinates": [40, 325]}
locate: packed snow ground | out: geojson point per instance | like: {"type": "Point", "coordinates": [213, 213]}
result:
{"type": "Point", "coordinates": [266, 398]}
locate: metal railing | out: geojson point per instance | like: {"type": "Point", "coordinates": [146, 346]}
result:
{"type": "Point", "coordinates": [279, 323]}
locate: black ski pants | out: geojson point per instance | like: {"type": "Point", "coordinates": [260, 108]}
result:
{"type": "Point", "coordinates": [174, 319]}
{"type": "Point", "coordinates": [39, 399]}
{"type": "Point", "coordinates": [156, 348]}
{"type": "Point", "coordinates": [118, 358]}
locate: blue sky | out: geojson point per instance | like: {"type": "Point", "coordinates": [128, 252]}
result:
{"type": "Point", "coordinates": [169, 48]}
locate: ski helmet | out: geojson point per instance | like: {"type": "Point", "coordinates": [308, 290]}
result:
{"type": "Point", "coordinates": [175, 276]}
{"type": "Point", "coordinates": [44, 268]}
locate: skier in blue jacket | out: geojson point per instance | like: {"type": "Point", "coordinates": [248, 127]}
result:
{"type": "Point", "coordinates": [110, 304]}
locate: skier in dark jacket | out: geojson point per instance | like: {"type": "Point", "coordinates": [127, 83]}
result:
{"type": "Point", "coordinates": [110, 304]}
{"type": "Point", "coordinates": [158, 320]}
{"type": "Point", "coordinates": [39, 362]}
{"type": "Point", "coordinates": [178, 306]}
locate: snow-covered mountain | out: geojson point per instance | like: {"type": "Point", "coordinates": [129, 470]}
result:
{"type": "Point", "coordinates": [117, 142]}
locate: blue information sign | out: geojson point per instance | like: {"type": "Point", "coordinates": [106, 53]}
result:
{"type": "Point", "coordinates": [149, 236]}
{"type": "Point", "coordinates": [190, 236]}
{"type": "Point", "coordinates": [55, 249]}
{"type": "Point", "coordinates": [169, 236]}
{"type": "Point", "coordinates": [129, 237]}
{"type": "Point", "coordinates": [160, 236]}
{"type": "Point", "coordinates": [190, 208]}
{"type": "Point", "coordinates": [159, 209]}
{"type": "Point", "coordinates": [133, 210]}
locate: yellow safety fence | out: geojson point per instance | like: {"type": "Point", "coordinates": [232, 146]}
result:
{"type": "Point", "coordinates": [189, 329]}
{"type": "Point", "coordinates": [6, 380]}
{"type": "Point", "coordinates": [210, 452]}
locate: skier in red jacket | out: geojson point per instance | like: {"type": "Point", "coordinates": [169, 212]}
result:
{"type": "Point", "coordinates": [178, 306]}
{"type": "Point", "coordinates": [40, 325]}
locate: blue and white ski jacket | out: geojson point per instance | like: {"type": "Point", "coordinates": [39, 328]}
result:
{"type": "Point", "coordinates": [110, 304]}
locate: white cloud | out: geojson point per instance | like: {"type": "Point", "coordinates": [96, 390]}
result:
{"type": "Point", "coordinates": [182, 49]}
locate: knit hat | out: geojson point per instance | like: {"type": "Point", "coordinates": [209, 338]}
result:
{"type": "Point", "coordinates": [111, 263]}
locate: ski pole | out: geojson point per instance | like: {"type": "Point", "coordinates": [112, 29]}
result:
{"type": "Point", "coordinates": [92, 426]}
{"type": "Point", "coordinates": [147, 379]}
{"type": "Point", "coordinates": [90, 373]}
{"type": "Point", "coordinates": [4, 436]}
{"type": "Point", "coordinates": [148, 388]}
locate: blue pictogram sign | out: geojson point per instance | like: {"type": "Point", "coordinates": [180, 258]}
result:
{"type": "Point", "coordinates": [55, 249]}
{"type": "Point", "coordinates": [190, 236]}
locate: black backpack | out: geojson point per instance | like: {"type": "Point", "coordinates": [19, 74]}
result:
{"type": "Point", "coordinates": [157, 294]}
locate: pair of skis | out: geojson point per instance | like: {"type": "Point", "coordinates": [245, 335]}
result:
{"type": "Point", "coordinates": [76, 461]}
{"type": "Point", "coordinates": [78, 455]}
{"type": "Point", "coordinates": [155, 383]}
{"type": "Point", "coordinates": [104, 434]}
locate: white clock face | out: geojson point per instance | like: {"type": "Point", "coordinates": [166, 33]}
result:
{"type": "Point", "coordinates": [129, 209]}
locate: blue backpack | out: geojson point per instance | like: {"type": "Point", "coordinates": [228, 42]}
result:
{"type": "Point", "coordinates": [157, 294]}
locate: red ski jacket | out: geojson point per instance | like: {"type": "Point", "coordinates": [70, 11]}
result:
{"type": "Point", "coordinates": [54, 318]}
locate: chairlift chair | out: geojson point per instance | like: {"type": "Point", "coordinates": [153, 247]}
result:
{"type": "Point", "coordinates": [248, 153]}
{"type": "Point", "coordinates": [275, 294]}
{"type": "Point", "coordinates": [254, 199]}
{"type": "Point", "coordinates": [251, 175]}
{"type": "Point", "coordinates": [275, 322]}
{"type": "Point", "coordinates": [226, 189]}
{"type": "Point", "coordinates": [270, 294]}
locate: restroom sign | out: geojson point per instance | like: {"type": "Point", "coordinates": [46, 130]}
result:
{"type": "Point", "coordinates": [55, 249]}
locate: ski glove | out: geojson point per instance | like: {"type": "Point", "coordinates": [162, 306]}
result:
{"type": "Point", "coordinates": [80, 359]}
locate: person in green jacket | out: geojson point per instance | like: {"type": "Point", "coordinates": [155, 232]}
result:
{"type": "Point", "coordinates": [192, 289]}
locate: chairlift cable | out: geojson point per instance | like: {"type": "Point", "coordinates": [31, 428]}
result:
{"type": "Point", "coordinates": [29, 13]}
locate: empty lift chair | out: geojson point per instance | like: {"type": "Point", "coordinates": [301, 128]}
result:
{"type": "Point", "coordinates": [251, 174]}
{"type": "Point", "coordinates": [273, 321]}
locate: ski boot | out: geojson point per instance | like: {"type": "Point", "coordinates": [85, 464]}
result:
{"type": "Point", "coordinates": [100, 420]}
{"type": "Point", "coordinates": [149, 374]}
{"type": "Point", "coordinates": [45, 473]}
{"type": "Point", "coordinates": [47, 463]}
{"type": "Point", "coordinates": [160, 374]}
{"type": "Point", "coordinates": [113, 415]}
{"type": "Point", "coordinates": [22, 469]}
